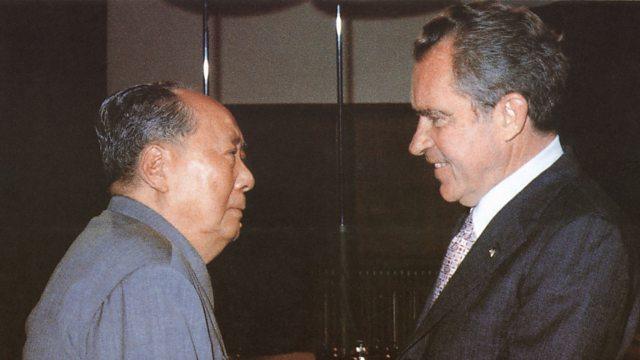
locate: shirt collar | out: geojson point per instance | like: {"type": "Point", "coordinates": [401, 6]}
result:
{"type": "Point", "coordinates": [138, 211]}
{"type": "Point", "coordinates": [494, 200]}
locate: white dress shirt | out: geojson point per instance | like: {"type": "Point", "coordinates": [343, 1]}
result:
{"type": "Point", "coordinates": [509, 187]}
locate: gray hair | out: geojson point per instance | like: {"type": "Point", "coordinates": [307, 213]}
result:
{"type": "Point", "coordinates": [135, 117]}
{"type": "Point", "coordinates": [498, 50]}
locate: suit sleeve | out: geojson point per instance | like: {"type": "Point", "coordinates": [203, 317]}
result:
{"type": "Point", "coordinates": [574, 301]}
{"type": "Point", "coordinates": [154, 313]}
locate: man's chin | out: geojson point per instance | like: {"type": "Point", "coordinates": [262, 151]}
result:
{"type": "Point", "coordinates": [230, 228]}
{"type": "Point", "coordinates": [448, 195]}
{"type": "Point", "coordinates": [236, 233]}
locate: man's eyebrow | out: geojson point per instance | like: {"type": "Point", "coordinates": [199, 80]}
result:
{"type": "Point", "coordinates": [236, 140]}
{"type": "Point", "coordinates": [432, 113]}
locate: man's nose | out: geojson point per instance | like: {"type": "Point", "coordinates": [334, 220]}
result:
{"type": "Point", "coordinates": [245, 180]}
{"type": "Point", "coordinates": [421, 140]}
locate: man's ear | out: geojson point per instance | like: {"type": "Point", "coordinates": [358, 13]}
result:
{"type": "Point", "coordinates": [152, 166]}
{"type": "Point", "coordinates": [512, 111]}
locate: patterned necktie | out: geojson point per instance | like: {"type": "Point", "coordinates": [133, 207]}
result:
{"type": "Point", "coordinates": [458, 249]}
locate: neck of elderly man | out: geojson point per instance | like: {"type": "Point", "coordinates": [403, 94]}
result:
{"type": "Point", "coordinates": [200, 238]}
{"type": "Point", "coordinates": [516, 152]}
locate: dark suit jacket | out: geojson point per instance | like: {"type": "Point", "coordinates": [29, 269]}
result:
{"type": "Point", "coordinates": [561, 284]}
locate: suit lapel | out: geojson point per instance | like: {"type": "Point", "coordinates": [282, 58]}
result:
{"type": "Point", "coordinates": [502, 237]}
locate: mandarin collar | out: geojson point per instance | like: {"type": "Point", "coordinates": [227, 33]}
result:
{"type": "Point", "coordinates": [144, 214]}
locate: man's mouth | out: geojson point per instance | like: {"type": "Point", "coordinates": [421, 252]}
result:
{"type": "Point", "coordinates": [438, 165]}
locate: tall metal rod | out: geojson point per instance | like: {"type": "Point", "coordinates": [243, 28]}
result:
{"type": "Point", "coordinates": [345, 308]}
{"type": "Point", "coordinates": [340, 106]}
{"type": "Point", "coordinates": [205, 47]}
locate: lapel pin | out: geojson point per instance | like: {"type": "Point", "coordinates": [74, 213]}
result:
{"type": "Point", "coordinates": [492, 252]}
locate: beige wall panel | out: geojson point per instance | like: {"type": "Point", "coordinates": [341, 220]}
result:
{"type": "Point", "coordinates": [284, 56]}
{"type": "Point", "coordinates": [149, 40]}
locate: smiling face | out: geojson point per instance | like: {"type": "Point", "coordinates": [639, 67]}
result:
{"type": "Point", "coordinates": [208, 178]}
{"type": "Point", "coordinates": [468, 156]}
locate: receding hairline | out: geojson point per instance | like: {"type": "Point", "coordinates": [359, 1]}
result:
{"type": "Point", "coordinates": [446, 48]}
{"type": "Point", "coordinates": [199, 104]}
{"type": "Point", "coordinates": [188, 97]}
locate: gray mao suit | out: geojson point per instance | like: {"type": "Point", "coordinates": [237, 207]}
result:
{"type": "Point", "coordinates": [129, 287]}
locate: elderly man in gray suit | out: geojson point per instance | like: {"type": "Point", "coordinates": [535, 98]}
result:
{"type": "Point", "coordinates": [134, 284]}
{"type": "Point", "coordinates": [543, 266]}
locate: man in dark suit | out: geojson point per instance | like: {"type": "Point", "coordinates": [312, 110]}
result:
{"type": "Point", "coordinates": [543, 266]}
{"type": "Point", "coordinates": [134, 284]}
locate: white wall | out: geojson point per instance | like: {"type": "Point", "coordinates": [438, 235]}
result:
{"type": "Point", "coordinates": [285, 56]}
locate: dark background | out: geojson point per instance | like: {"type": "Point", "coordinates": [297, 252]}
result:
{"type": "Point", "coordinates": [53, 78]}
